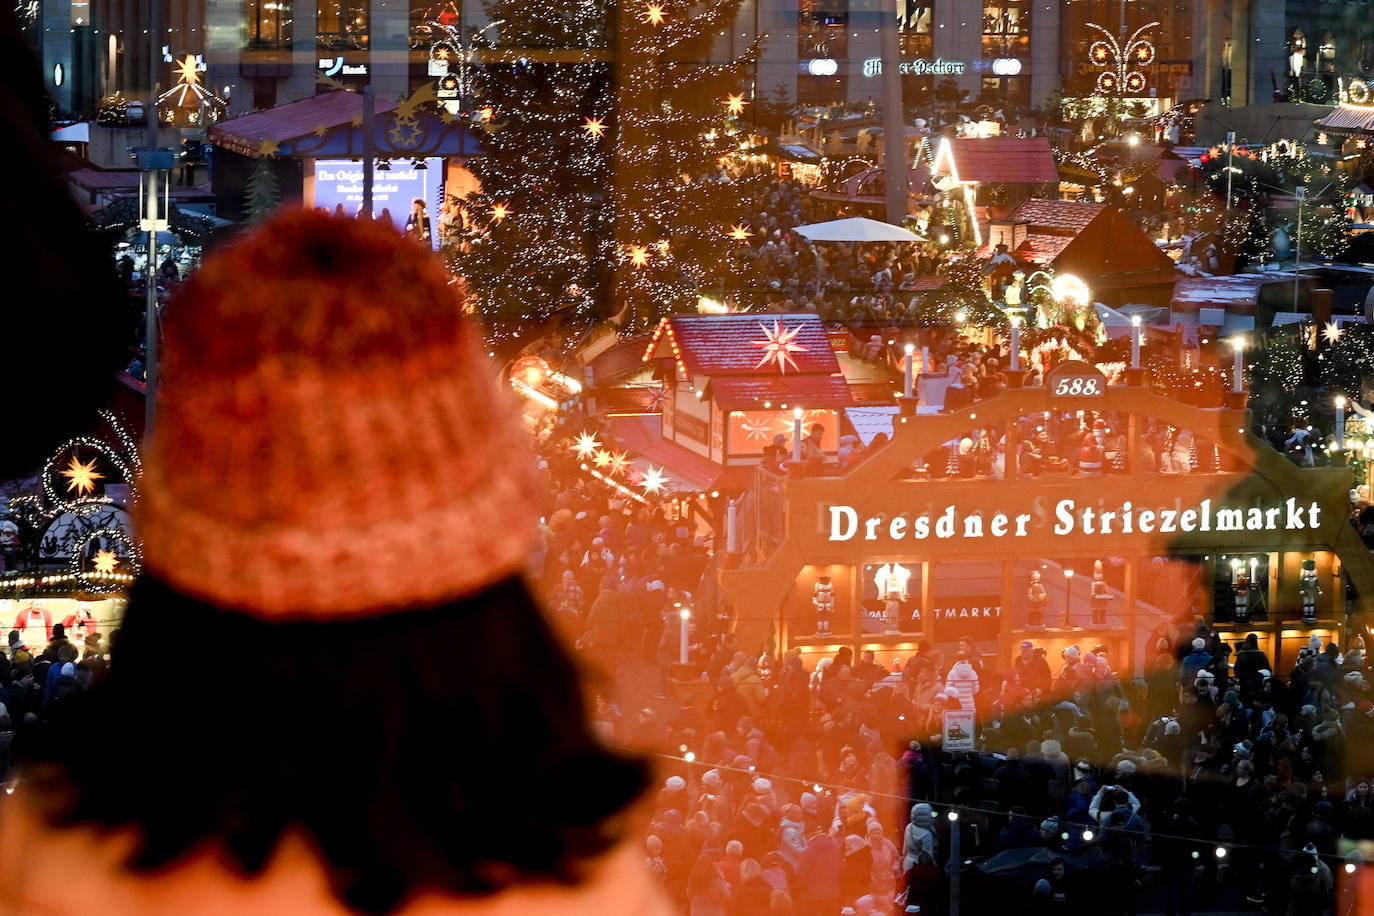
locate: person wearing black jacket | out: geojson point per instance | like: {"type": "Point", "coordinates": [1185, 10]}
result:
{"type": "Point", "coordinates": [1177, 847]}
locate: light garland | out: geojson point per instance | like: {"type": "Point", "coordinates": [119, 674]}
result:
{"type": "Point", "coordinates": [1123, 60]}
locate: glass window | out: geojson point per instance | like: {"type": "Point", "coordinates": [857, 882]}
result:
{"type": "Point", "coordinates": [269, 23]}
{"type": "Point", "coordinates": [342, 25]}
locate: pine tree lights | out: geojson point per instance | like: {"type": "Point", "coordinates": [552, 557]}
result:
{"type": "Point", "coordinates": [678, 118]}
{"type": "Point", "coordinates": [602, 186]}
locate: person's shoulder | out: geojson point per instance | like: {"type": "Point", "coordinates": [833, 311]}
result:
{"type": "Point", "coordinates": [88, 866]}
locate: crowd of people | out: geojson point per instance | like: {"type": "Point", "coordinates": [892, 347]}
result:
{"type": "Point", "coordinates": [807, 784]}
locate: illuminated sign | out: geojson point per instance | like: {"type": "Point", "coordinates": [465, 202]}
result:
{"type": "Point", "coordinates": [1006, 66]}
{"type": "Point", "coordinates": [919, 67]}
{"type": "Point", "coordinates": [339, 182]}
{"type": "Point", "coordinates": [822, 66]}
{"type": "Point", "coordinates": [334, 66]}
{"type": "Point", "coordinates": [1069, 518]}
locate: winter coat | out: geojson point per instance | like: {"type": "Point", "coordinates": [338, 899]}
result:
{"type": "Point", "coordinates": [962, 682]}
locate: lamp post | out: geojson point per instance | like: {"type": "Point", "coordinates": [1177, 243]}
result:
{"type": "Point", "coordinates": [1340, 423]}
{"type": "Point", "coordinates": [1297, 246]}
{"type": "Point", "coordinates": [1230, 149]}
{"type": "Point", "coordinates": [1068, 588]}
{"type": "Point", "coordinates": [907, 385]}
{"type": "Point", "coordinates": [1135, 341]}
{"type": "Point", "coordinates": [685, 621]}
{"type": "Point", "coordinates": [1015, 343]}
{"type": "Point", "coordinates": [797, 435]}
{"type": "Point", "coordinates": [1238, 367]}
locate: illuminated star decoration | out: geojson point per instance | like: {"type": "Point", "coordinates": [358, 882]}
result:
{"type": "Point", "coordinates": [755, 429]}
{"type": "Point", "coordinates": [485, 114]}
{"type": "Point", "coordinates": [639, 255]}
{"type": "Point", "coordinates": [188, 70]}
{"type": "Point", "coordinates": [603, 458]}
{"type": "Point", "coordinates": [105, 561]}
{"type": "Point", "coordinates": [499, 211]}
{"type": "Point", "coordinates": [586, 445]}
{"type": "Point", "coordinates": [778, 346]}
{"type": "Point", "coordinates": [1332, 332]}
{"type": "Point", "coordinates": [739, 233]}
{"type": "Point", "coordinates": [653, 480]}
{"type": "Point", "coordinates": [734, 105]}
{"type": "Point", "coordinates": [653, 13]}
{"type": "Point", "coordinates": [594, 127]}
{"type": "Point", "coordinates": [620, 461]}
{"type": "Point", "coordinates": [81, 477]}
{"type": "Point", "coordinates": [658, 396]}
{"type": "Point", "coordinates": [441, 53]}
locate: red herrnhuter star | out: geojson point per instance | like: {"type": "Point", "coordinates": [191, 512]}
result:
{"type": "Point", "coordinates": [778, 346]}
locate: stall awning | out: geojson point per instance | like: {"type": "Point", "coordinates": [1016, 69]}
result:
{"type": "Point", "coordinates": [330, 126]}
{"type": "Point", "coordinates": [1349, 119]}
{"type": "Point", "coordinates": [808, 391]}
{"type": "Point", "coordinates": [687, 472]}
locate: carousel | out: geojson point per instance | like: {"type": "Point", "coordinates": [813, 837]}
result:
{"type": "Point", "coordinates": [67, 553]}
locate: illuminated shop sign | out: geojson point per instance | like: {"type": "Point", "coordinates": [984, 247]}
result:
{"type": "Point", "coordinates": [919, 67]}
{"type": "Point", "coordinates": [1067, 518]}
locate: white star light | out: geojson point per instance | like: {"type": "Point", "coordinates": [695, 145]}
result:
{"type": "Point", "coordinates": [1332, 332]}
{"type": "Point", "coordinates": [778, 346]}
{"type": "Point", "coordinates": [586, 445]}
{"type": "Point", "coordinates": [653, 481]}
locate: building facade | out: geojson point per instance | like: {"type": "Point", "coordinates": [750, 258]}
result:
{"type": "Point", "coordinates": [1010, 53]}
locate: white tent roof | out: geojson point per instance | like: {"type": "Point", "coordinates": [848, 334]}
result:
{"type": "Point", "coordinates": [73, 133]}
{"type": "Point", "coordinates": [857, 229]}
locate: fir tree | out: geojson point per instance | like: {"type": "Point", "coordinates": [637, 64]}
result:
{"type": "Point", "coordinates": [602, 186]}
{"type": "Point", "coordinates": [542, 213]}
{"type": "Point", "coordinates": [263, 195]}
{"type": "Point", "coordinates": [962, 298]}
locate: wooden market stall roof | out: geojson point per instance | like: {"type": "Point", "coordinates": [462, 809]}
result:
{"type": "Point", "coordinates": [279, 127]}
{"type": "Point", "coordinates": [715, 345]}
{"type": "Point", "coordinates": [1353, 120]}
{"type": "Point", "coordinates": [1004, 160]}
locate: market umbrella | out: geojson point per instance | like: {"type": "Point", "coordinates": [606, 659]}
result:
{"type": "Point", "coordinates": [857, 229]}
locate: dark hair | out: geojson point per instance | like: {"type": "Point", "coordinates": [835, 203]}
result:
{"type": "Point", "coordinates": [428, 749]}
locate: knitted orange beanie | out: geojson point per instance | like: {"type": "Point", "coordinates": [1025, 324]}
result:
{"type": "Point", "coordinates": [330, 439]}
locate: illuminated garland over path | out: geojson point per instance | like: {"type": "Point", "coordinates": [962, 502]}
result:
{"type": "Point", "coordinates": [602, 192]}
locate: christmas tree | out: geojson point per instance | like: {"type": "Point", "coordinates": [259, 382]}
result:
{"type": "Point", "coordinates": [604, 184]}
{"type": "Point", "coordinates": [262, 190]}
{"type": "Point", "coordinates": [961, 299]}
{"type": "Point", "coordinates": [542, 215]}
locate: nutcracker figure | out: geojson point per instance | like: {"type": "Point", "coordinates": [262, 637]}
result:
{"type": "Point", "coordinates": [1099, 595]}
{"type": "Point", "coordinates": [1309, 590]}
{"type": "Point", "coordinates": [1038, 598]}
{"type": "Point", "coordinates": [1240, 586]}
{"type": "Point", "coordinates": [823, 600]}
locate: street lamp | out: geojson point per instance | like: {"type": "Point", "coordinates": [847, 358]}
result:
{"type": "Point", "coordinates": [1068, 586]}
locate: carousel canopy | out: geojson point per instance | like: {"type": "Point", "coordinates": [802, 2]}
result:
{"type": "Point", "coordinates": [857, 229]}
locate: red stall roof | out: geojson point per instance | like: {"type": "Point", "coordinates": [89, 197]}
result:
{"type": "Point", "coordinates": [764, 344]}
{"type": "Point", "coordinates": [1009, 160]}
{"type": "Point", "coordinates": [281, 125]}
{"type": "Point", "coordinates": [809, 391]}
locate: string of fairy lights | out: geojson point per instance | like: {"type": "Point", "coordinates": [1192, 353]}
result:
{"type": "Point", "coordinates": [601, 190]}
{"type": "Point", "coordinates": [70, 480]}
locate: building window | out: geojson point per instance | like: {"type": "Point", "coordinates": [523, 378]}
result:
{"type": "Point", "coordinates": [914, 21]}
{"type": "Point", "coordinates": [1006, 29]}
{"type": "Point", "coordinates": [269, 23]}
{"type": "Point", "coordinates": [342, 25]}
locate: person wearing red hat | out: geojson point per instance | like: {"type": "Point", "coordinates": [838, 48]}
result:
{"type": "Point", "coordinates": [336, 503]}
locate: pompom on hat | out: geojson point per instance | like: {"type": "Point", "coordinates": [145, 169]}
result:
{"type": "Point", "coordinates": [331, 441]}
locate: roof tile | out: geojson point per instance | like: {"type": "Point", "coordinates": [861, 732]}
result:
{"type": "Point", "coordinates": [1009, 160]}
{"type": "Point", "coordinates": [716, 345]}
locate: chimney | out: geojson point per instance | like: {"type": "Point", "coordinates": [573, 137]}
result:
{"type": "Point", "coordinates": [1321, 305]}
